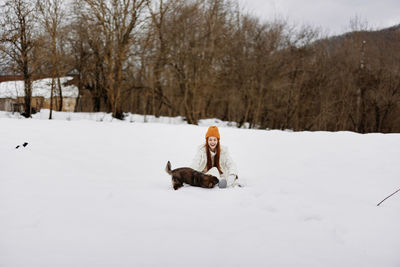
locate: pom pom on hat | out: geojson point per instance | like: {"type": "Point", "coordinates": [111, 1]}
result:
{"type": "Point", "coordinates": [212, 131]}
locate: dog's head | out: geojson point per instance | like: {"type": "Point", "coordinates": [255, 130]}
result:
{"type": "Point", "coordinates": [210, 181]}
{"type": "Point", "coordinates": [176, 183]}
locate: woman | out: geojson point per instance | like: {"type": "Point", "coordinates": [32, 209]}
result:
{"type": "Point", "coordinates": [214, 159]}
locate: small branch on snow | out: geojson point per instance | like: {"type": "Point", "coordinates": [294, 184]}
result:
{"type": "Point", "coordinates": [388, 197]}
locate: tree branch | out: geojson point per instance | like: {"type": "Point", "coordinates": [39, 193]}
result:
{"type": "Point", "coordinates": [388, 197]}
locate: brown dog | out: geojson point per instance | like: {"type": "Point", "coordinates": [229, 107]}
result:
{"type": "Point", "coordinates": [190, 176]}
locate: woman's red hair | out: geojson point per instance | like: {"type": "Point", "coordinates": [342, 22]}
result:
{"type": "Point", "coordinates": [216, 157]}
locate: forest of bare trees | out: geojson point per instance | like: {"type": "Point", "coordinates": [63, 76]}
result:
{"type": "Point", "coordinates": [205, 59]}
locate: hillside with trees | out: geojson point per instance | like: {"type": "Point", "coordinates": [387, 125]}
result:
{"type": "Point", "coordinates": [205, 59]}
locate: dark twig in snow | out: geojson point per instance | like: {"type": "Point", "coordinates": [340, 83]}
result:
{"type": "Point", "coordinates": [388, 197]}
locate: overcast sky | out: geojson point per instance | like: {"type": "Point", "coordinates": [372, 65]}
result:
{"type": "Point", "coordinates": [332, 15]}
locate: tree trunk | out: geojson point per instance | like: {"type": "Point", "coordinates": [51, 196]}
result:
{"type": "Point", "coordinates": [60, 94]}
{"type": "Point", "coordinates": [51, 99]}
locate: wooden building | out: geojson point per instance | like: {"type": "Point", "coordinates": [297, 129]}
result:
{"type": "Point", "coordinates": [12, 95]}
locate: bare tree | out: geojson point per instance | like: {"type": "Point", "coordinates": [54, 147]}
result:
{"type": "Point", "coordinates": [18, 42]}
{"type": "Point", "coordinates": [51, 16]}
{"type": "Point", "coordinates": [115, 21]}
{"type": "Point", "coordinates": [157, 36]}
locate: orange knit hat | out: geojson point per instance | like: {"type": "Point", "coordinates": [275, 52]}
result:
{"type": "Point", "coordinates": [212, 131]}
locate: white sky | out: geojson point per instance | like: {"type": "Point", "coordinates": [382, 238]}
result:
{"type": "Point", "coordinates": [332, 15]}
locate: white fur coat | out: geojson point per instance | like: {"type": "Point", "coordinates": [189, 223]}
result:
{"type": "Point", "coordinates": [228, 166]}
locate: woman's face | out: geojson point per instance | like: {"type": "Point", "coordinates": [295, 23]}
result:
{"type": "Point", "coordinates": [212, 142]}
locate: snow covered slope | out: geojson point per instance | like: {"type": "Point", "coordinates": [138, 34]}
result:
{"type": "Point", "coordinates": [87, 193]}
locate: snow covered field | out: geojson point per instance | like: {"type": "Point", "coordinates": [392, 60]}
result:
{"type": "Point", "coordinates": [90, 192]}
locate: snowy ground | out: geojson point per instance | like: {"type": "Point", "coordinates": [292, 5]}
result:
{"type": "Point", "coordinates": [89, 193]}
